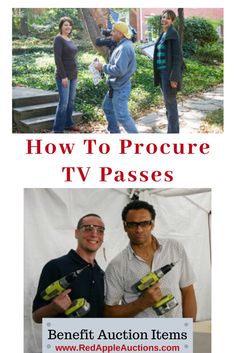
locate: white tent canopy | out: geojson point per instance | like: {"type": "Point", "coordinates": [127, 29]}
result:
{"type": "Point", "coordinates": [51, 215]}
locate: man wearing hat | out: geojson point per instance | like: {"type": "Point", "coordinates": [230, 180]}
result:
{"type": "Point", "coordinates": [120, 68]}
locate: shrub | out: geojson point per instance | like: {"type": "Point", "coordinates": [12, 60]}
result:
{"type": "Point", "coordinates": [210, 53]}
{"type": "Point", "coordinates": [198, 32]}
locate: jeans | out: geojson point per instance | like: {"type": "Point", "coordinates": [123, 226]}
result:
{"type": "Point", "coordinates": [169, 95]}
{"type": "Point", "coordinates": [116, 110]}
{"type": "Point", "coordinates": [64, 111]}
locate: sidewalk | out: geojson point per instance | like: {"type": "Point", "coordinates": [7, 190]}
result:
{"type": "Point", "coordinates": [192, 111]}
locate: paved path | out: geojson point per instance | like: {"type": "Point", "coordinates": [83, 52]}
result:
{"type": "Point", "coordinates": [192, 111]}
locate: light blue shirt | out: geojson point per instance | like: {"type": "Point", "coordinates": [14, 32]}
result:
{"type": "Point", "coordinates": [122, 64]}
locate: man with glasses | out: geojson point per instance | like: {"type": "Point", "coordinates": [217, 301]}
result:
{"type": "Point", "coordinates": [90, 282]}
{"type": "Point", "coordinates": [144, 254]}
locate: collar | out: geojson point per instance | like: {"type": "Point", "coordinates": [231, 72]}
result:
{"type": "Point", "coordinates": [131, 254]}
{"type": "Point", "coordinates": [78, 259]}
{"type": "Point", "coordinates": [171, 33]}
{"type": "Point", "coordinates": [121, 41]}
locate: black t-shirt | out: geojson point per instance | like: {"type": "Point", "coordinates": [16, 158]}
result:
{"type": "Point", "coordinates": [65, 58]}
{"type": "Point", "coordinates": [89, 284]}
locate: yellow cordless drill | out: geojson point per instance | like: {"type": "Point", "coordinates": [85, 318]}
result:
{"type": "Point", "coordinates": [168, 302]}
{"type": "Point", "coordinates": [80, 306]}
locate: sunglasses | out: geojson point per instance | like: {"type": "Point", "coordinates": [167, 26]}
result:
{"type": "Point", "coordinates": [134, 225]}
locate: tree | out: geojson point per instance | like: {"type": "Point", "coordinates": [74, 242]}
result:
{"type": "Point", "coordinates": [24, 29]}
{"type": "Point", "coordinates": [181, 24]}
{"type": "Point", "coordinates": [94, 19]}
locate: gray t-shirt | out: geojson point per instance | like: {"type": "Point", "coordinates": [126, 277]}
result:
{"type": "Point", "coordinates": [127, 268]}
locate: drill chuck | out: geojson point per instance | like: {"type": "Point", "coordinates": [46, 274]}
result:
{"type": "Point", "coordinates": [164, 269]}
{"type": "Point", "coordinates": [153, 277]}
{"type": "Point", "coordinates": [60, 285]}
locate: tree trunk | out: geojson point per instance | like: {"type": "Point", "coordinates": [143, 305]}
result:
{"type": "Point", "coordinates": [181, 25]}
{"type": "Point", "coordinates": [24, 29]}
{"type": "Point", "coordinates": [93, 28]}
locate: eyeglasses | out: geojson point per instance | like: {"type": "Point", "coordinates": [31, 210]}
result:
{"type": "Point", "coordinates": [143, 224]}
{"type": "Point", "coordinates": [89, 228]}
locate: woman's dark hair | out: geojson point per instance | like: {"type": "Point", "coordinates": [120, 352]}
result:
{"type": "Point", "coordinates": [138, 205]}
{"type": "Point", "coordinates": [171, 14]}
{"type": "Point", "coordinates": [62, 21]}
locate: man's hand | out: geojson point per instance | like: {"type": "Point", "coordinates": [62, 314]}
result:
{"type": "Point", "coordinates": [58, 305]}
{"type": "Point", "coordinates": [147, 299]}
{"type": "Point", "coordinates": [173, 84]}
{"type": "Point", "coordinates": [98, 66]}
{"type": "Point", "coordinates": [62, 302]}
{"type": "Point", "coordinates": [65, 82]}
{"type": "Point", "coordinates": [151, 296]}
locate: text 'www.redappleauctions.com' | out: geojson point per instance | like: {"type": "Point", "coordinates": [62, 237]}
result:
{"type": "Point", "coordinates": [116, 348]}
{"type": "Point", "coordinates": [120, 335]}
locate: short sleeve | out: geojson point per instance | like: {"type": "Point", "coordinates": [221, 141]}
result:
{"type": "Point", "coordinates": [114, 284]}
{"type": "Point", "coordinates": [187, 274]}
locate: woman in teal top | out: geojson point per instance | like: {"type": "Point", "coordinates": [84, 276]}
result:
{"type": "Point", "coordinates": [167, 65]}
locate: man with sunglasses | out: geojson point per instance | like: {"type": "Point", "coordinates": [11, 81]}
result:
{"type": "Point", "coordinates": [144, 254]}
{"type": "Point", "coordinates": [90, 282]}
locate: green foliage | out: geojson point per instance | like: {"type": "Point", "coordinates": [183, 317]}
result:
{"type": "Point", "coordinates": [49, 21]}
{"type": "Point", "coordinates": [34, 70]}
{"type": "Point", "coordinates": [46, 24]}
{"type": "Point", "coordinates": [210, 53]}
{"type": "Point", "coordinates": [199, 77]}
{"type": "Point", "coordinates": [37, 70]}
{"type": "Point", "coordinates": [30, 42]}
{"type": "Point", "coordinates": [154, 22]}
{"type": "Point", "coordinates": [144, 95]}
{"type": "Point", "coordinates": [198, 32]}
{"type": "Point", "coordinates": [15, 23]}
{"type": "Point", "coordinates": [31, 45]}
{"type": "Point", "coordinates": [28, 45]}
{"type": "Point", "coordinates": [215, 118]}
{"type": "Point", "coordinates": [216, 23]}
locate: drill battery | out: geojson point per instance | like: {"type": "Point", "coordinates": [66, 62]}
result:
{"type": "Point", "coordinates": [167, 303]}
{"type": "Point", "coordinates": [79, 308]}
